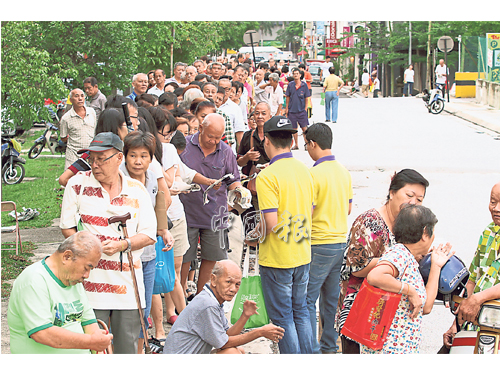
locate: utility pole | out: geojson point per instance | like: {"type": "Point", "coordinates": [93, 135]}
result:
{"type": "Point", "coordinates": [429, 64]}
{"type": "Point", "coordinates": [409, 48]}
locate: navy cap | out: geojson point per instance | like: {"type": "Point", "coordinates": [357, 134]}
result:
{"type": "Point", "coordinates": [104, 141]}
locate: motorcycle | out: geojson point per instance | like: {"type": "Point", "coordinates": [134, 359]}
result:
{"type": "Point", "coordinates": [434, 100]}
{"type": "Point", "coordinates": [486, 340]}
{"type": "Point", "coordinates": [12, 164]}
{"type": "Point", "coordinates": [49, 138]}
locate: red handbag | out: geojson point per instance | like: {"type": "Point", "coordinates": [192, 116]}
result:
{"type": "Point", "coordinates": [371, 316]}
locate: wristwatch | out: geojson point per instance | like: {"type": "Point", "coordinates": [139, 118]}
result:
{"type": "Point", "coordinates": [129, 245]}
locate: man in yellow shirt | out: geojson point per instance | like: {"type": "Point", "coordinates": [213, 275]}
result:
{"type": "Point", "coordinates": [285, 190]}
{"type": "Point", "coordinates": [331, 88]}
{"type": "Point", "coordinates": [333, 202]}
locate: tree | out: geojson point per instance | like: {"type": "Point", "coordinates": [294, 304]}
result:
{"type": "Point", "coordinates": [291, 34]}
{"type": "Point", "coordinates": [28, 76]}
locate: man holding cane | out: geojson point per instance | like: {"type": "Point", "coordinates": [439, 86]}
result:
{"type": "Point", "coordinates": [90, 199]}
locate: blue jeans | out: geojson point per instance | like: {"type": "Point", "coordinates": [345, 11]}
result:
{"type": "Point", "coordinates": [148, 275]}
{"type": "Point", "coordinates": [285, 291]}
{"type": "Point", "coordinates": [408, 85]}
{"type": "Point", "coordinates": [324, 276]}
{"type": "Point", "coordinates": [331, 105]}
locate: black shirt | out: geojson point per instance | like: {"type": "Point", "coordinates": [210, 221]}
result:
{"type": "Point", "coordinates": [258, 145]}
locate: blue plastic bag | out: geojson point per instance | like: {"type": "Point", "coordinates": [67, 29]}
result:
{"type": "Point", "coordinates": [165, 268]}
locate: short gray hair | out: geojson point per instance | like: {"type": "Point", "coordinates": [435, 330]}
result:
{"type": "Point", "coordinates": [136, 76]}
{"type": "Point", "coordinates": [274, 76]}
{"type": "Point", "coordinates": [180, 64]}
{"type": "Point", "coordinates": [218, 269]}
{"type": "Point", "coordinates": [80, 244]}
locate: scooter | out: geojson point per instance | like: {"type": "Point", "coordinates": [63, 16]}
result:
{"type": "Point", "coordinates": [434, 100]}
{"type": "Point", "coordinates": [47, 138]}
{"type": "Point", "coordinates": [12, 164]}
{"type": "Point", "coordinates": [486, 340]}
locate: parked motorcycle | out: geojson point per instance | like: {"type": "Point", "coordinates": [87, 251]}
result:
{"type": "Point", "coordinates": [49, 138]}
{"type": "Point", "coordinates": [12, 164]}
{"type": "Point", "coordinates": [434, 100]}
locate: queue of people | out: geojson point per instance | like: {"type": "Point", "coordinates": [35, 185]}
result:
{"type": "Point", "coordinates": [213, 125]}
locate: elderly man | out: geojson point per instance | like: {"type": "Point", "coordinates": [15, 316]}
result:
{"type": "Point", "coordinates": [216, 70]}
{"type": "Point", "coordinates": [179, 68]}
{"type": "Point", "coordinates": [203, 326]}
{"type": "Point", "coordinates": [49, 312]}
{"type": "Point", "coordinates": [96, 98]}
{"type": "Point", "coordinates": [140, 85]}
{"type": "Point", "coordinates": [77, 126]}
{"type": "Point", "coordinates": [275, 94]}
{"type": "Point", "coordinates": [207, 155]}
{"type": "Point", "coordinates": [90, 199]}
{"type": "Point", "coordinates": [191, 73]}
{"type": "Point", "coordinates": [200, 66]}
{"type": "Point", "coordinates": [441, 72]}
{"type": "Point", "coordinates": [261, 95]}
{"type": "Point", "coordinates": [232, 110]}
{"type": "Point", "coordinates": [285, 232]}
{"type": "Point", "coordinates": [484, 280]}
{"type": "Point", "coordinates": [160, 78]}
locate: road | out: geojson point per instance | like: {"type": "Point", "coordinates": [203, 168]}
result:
{"type": "Point", "coordinates": [374, 138]}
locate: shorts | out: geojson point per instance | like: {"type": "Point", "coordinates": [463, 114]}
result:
{"type": "Point", "coordinates": [179, 232]}
{"type": "Point", "coordinates": [300, 118]}
{"type": "Point", "coordinates": [210, 242]}
{"type": "Point", "coordinates": [365, 89]}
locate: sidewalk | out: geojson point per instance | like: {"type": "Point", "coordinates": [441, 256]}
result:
{"type": "Point", "coordinates": [469, 110]}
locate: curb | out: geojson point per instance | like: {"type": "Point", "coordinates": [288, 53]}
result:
{"type": "Point", "coordinates": [472, 119]}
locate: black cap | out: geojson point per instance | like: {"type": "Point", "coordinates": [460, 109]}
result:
{"type": "Point", "coordinates": [279, 123]}
{"type": "Point", "coordinates": [104, 141]}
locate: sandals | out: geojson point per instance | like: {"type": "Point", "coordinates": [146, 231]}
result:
{"type": "Point", "coordinates": [172, 319]}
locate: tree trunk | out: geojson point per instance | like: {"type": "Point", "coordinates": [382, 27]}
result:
{"type": "Point", "coordinates": [429, 63]}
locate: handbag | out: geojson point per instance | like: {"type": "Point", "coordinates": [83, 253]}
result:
{"type": "Point", "coordinates": [251, 185]}
{"type": "Point", "coordinates": [165, 268]}
{"type": "Point", "coordinates": [250, 289]}
{"type": "Point", "coordinates": [371, 315]}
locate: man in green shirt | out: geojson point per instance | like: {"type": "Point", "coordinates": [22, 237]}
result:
{"type": "Point", "coordinates": [49, 312]}
{"type": "Point", "coordinates": [484, 280]}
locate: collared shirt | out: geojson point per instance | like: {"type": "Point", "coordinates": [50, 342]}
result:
{"type": "Point", "coordinates": [155, 91]}
{"type": "Point", "coordinates": [258, 145]}
{"type": "Point", "coordinates": [296, 98]}
{"type": "Point", "coordinates": [232, 109]}
{"type": "Point", "coordinates": [332, 195]}
{"type": "Point", "coordinates": [286, 187]}
{"type": "Point", "coordinates": [98, 102]}
{"type": "Point", "coordinates": [228, 127]}
{"type": "Point", "coordinates": [201, 326]}
{"type": "Point", "coordinates": [261, 95]}
{"type": "Point", "coordinates": [275, 98]}
{"type": "Point", "coordinates": [485, 267]}
{"type": "Point", "coordinates": [215, 165]}
{"type": "Point", "coordinates": [132, 96]}
{"type": "Point", "coordinates": [80, 132]}
{"type": "Point", "coordinates": [39, 300]}
{"type": "Point", "coordinates": [332, 83]}
{"type": "Point", "coordinates": [87, 206]}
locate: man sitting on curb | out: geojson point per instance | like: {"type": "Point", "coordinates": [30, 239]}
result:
{"type": "Point", "coordinates": [203, 326]}
{"type": "Point", "coordinates": [49, 312]}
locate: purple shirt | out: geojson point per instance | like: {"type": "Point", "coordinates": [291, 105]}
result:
{"type": "Point", "coordinates": [219, 163]}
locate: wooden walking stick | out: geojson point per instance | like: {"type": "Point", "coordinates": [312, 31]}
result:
{"type": "Point", "coordinates": [123, 225]}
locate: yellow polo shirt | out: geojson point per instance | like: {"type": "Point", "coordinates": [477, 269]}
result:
{"type": "Point", "coordinates": [333, 193]}
{"type": "Point", "coordinates": [286, 186]}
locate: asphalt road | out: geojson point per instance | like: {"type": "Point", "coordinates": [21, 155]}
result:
{"type": "Point", "coordinates": [374, 138]}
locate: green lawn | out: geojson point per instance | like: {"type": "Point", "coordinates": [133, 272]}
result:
{"type": "Point", "coordinates": [13, 265]}
{"type": "Point", "coordinates": [38, 193]}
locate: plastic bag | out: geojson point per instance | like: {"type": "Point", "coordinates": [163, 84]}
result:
{"type": "Point", "coordinates": [322, 102]}
{"type": "Point", "coordinates": [371, 316]}
{"type": "Point", "coordinates": [250, 289]}
{"type": "Point", "coordinates": [165, 268]}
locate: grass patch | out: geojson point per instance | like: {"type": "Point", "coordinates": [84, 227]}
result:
{"type": "Point", "coordinates": [13, 265]}
{"type": "Point", "coordinates": [38, 193]}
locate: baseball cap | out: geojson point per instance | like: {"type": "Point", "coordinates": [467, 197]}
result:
{"type": "Point", "coordinates": [104, 141]}
{"type": "Point", "coordinates": [279, 123]}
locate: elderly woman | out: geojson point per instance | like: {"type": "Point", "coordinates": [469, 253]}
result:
{"type": "Point", "coordinates": [397, 271]}
{"type": "Point", "coordinates": [369, 238]}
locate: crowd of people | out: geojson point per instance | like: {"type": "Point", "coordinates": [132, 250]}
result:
{"type": "Point", "coordinates": [156, 154]}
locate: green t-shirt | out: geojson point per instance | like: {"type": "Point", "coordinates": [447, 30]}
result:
{"type": "Point", "coordinates": [39, 300]}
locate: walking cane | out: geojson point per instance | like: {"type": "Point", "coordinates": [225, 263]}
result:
{"type": "Point", "coordinates": [109, 349]}
{"type": "Point", "coordinates": [123, 224]}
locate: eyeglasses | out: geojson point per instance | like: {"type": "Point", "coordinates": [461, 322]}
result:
{"type": "Point", "coordinates": [100, 161]}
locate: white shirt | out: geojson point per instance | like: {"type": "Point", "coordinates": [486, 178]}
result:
{"type": "Point", "coordinates": [441, 72]}
{"type": "Point", "coordinates": [365, 79]}
{"type": "Point", "coordinates": [275, 98]}
{"type": "Point", "coordinates": [171, 159]}
{"type": "Point", "coordinates": [409, 74]}
{"type": "Point", "coordinates": [324, 68]}
{"type": "Point", "coordinates": [155, 91]}
{"type": "Point", "coordinates": [86, 204]}
{"type": "Point", "coordinates": [235, 114]}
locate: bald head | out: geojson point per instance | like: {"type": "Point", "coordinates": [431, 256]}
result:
{"type": "Point", "coordinates": [224, 267]}
{"type": "Point", "coordinates": [215, 123]}
{"type": "Point", "coordinates": [81, 244]}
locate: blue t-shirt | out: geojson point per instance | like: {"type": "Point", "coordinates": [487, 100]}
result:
{"type": "Point", "coordinates": [297, 97]}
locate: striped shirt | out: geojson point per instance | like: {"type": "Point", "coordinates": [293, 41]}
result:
{"type": "Point", "coordinates": [80, 132]}
{"type": "Point", "coordinates": [87, 205]}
